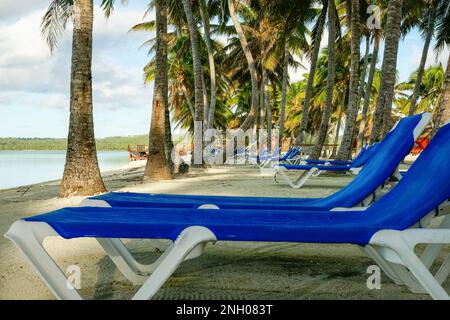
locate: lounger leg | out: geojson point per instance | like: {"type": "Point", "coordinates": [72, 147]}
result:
{"type": "Point", "coordinates": [400, 250]}
{"type": "Point", "coordinates": [264, 163]}
{"type": "Point", "coordinates": [28, 237]}
{"type": "Point", "coordinates": [431, 251]}
{"type": "Point", "coordinates": [397, 273]}
{"type": "Point", "coordinates": [134, 271]}
{"type": "Point", "coordinates": [190, 241]}
{"type": "Point", "coordinates": [444, 270]}
{"type": "Point", "coordinates": [382, 263]}
{"type": "Point", "coordinates": [300, 181]}
{"type": "Point", "coordinates": [123, 260]}
{"type": "Point", "coordinates": [314, 172]}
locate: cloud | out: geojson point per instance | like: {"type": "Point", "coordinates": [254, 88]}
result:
{"type": "Point", "coordinates": [432, 57]}
{"type": "Point", "coordinates": [28, 70]}
{"type": "Point", "coordinates": [11, 9]}
{"type": "Point", "coordinates": [35, 85]}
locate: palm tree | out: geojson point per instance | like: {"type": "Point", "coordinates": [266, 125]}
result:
{"type": "Point", "coordinates": [367, 93]}
{"type": "Point", "coordinates": [284, 84]}
{"type": "Point", "coordinates": [212, 66]}
{"type": "Point", "coordinates": [198, 84]}
{"type": "Point", "coordinates": [352, 110]}
{"type": "Point", "coordinates": [430, 90]}
{"type": "Point", "coordinates": [157, 167]}
{"type": "Point", "coordinates": [181, 74]}
{"type": "Point", "coordinates": [443, 39]}
{"type": "Point", "coordinates": [251, 117]}
{"type": "Point", "coordinates": [382, 115]}
{"type": "Point", "coordinates": [332, 22]}
{"type": "Point", "coordinates": [444, 105]}
{"type": "Point", "coordinates": [295, 15]}
{"type": "Point", "coordinates": [81, 172]}
{"type": "Point", "coordinates": [362, 83]}
{"type": "Point", "coordinates": [426, 25]}
{"type": "Point", "coordinates": [316, 39]}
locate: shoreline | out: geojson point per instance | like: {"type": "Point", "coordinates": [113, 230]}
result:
{"type": "Point", "coordinates": [105, 173]}
{"type": "Point", "coordinates": [120, 167]}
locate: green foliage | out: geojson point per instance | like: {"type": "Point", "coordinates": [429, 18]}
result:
{"type": "Point", "coordinates": [105, 144]}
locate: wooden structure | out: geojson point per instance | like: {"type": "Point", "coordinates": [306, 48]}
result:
{"type": "Point", "coordinates": [140, 153]}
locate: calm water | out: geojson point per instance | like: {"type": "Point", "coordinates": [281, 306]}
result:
{"type": "Point", "coordinates": [18, 168]}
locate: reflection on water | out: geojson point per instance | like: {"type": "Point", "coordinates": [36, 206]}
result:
{"type": "Point", "coordinates": [18, 168]}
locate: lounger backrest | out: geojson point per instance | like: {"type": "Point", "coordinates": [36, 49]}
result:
{"type": "Point", "coordinates": [423, 188]}
{"type": "Point", "coordinates": [363, 149]}
{"type": "Point", "coordinates": [384, 159]}
{"type": "Point", "coordinates": [361, 159]}
{"type": "Point", "coordinates": [287, 154]}
{"type": "Point", "coordinates": [295, 152]}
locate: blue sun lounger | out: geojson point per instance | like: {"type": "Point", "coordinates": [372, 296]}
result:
{"type": "Point", "coordinates": [388, 230]}
{"type": "Point", "coordinates": [314, 170]}
{"type": "Point", "coordinates": [361, 191]}
{"type": "Point", "coordinates": [337, 162]}
{"type": "Point", "coordinates": [289, 157]}
{"type": "Point", "coordinates": [262, 160]}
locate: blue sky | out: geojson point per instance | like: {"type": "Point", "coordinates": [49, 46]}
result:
{"type": "Point", "coordinates": [34, 85]}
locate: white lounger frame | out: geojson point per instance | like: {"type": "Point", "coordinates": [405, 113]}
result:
{"type": "Point", "coordinates": [315, 172]}
{"type": "Point", "coordinates": [392, 250]}
{"type": "Point", "coordinates": [29, 236]}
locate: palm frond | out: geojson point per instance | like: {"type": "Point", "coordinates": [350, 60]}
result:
{"type": "Point", "coordinates": [443, 26]}
{"type": "Point", "coordinates": [54, 21]}
{"type": "Point", "coordinates": [108, 6]}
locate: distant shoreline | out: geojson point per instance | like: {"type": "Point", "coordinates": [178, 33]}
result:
{"type": "Point", "coordinates": [119, 143]}
{"type": "Point", "coordinates": [62, 150]}
{"type": "Point", "coordinates": [59, 144]}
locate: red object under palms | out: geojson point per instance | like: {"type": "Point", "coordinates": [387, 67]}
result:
{"type": "Point", "coordinates": [420, 144]}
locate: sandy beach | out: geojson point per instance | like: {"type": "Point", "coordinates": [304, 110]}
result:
{"type": "Point", "coordinates": [227, 270]}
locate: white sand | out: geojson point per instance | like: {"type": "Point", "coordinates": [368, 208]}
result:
{"type": "Point", "coordinates": [227, 270]}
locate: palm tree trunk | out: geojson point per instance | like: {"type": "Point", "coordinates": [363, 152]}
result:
{"type": "Point", "coordinates": [188, 99]}
{"type": "Point", "coordinates": [362, 80]}
{"type": "Point", "coordinates": [81, 172]}
{"type": "Point", "coordinates": [382, 115]}
{"type": "Point", "coordinates": [157, 167]}
{"type": "Point", "coordinates": [256, 123]}
{"type": "Point", "coordinates": [345, 150]}
{"type": "Point", "coordinates": [168, 140]}
{"type": "Point", "coordinates": [284, 83]}
{"type": "Point", "coordinates": [323, 130]}
{"type": "Point", "coordinates": [212, 66]}
{"type": "Point", "coordinates": [444, 103]}
{"type": "Point", "coordinates": [262, 99]}
{"type": "Point", "coordinates": [205, 102]}
{"type": "Point", "coordinates": [373, 64]}
{"type": "Point", "coordinates": [423, 60]}
{"type": "Point", "coordinates": [362, 84]}
{"type": "Point", "coordinates": [312, 71]}
{"type": "Point", "coordinates": [247, 124]}
{"type": "Point", "coordinates": [269, 118]}
{"type": "Point", "coordinates": [198, 88]}
{"type": "Point", "coordinates": [336, 134]}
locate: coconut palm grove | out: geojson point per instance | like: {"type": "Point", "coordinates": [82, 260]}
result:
{"type": "Point", "coordinates": [308, 140]}
{"type": "Point", "coordinates": [226, 64]}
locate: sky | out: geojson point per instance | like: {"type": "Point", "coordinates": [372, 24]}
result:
{"type": "Point", "coordinates": [34, 85]}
